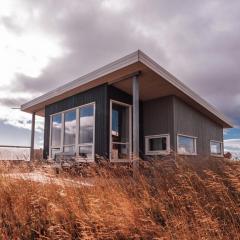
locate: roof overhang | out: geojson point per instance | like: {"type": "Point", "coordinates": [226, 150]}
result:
{"type": "Point", "coordinates": [154, 82]}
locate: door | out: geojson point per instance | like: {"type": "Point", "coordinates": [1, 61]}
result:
{"type": "Point", "coordinates": [120, 131]}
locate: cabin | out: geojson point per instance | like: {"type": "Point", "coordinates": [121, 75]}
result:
{"type": "Point", "coordinates": [127, 109]}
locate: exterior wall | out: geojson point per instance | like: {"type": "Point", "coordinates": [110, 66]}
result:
{"type": "Point", "coordinates": [101, 95]}
{"type": "Point", "coordinates": [166, 115]}
{"type": "Point", "coordinates": [158, 118]}
{"type": "Point", "coordinates": [97, 95]}
{"type": "Point", "coordinates": [189, 121]}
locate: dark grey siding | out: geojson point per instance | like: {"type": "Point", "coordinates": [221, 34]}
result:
{"type": "Point", "coordinates": [118, 95]}
{"type": "Point", "coordinates": [158, 117]}
{"type": "Point", "coordinates": [189, 121]}
{"type": "Point", "coordinates": [97, 95]}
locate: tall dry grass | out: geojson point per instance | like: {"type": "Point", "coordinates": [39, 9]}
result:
{"type": "Point", "coordinates": [182, 199]}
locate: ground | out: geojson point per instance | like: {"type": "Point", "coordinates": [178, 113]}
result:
{"type": "Point", "coordinates": [182, 199]}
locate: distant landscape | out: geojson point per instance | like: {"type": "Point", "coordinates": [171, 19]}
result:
{"type": "Point", "coordinates": [15, 154]}
{"type": "Point", "coordinates": [182, 199]}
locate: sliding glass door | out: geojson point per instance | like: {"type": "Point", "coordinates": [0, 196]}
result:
{"type": "Point", "coordinates": [120, 131]}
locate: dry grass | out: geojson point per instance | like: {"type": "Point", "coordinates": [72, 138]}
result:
{"type": "Point", "coordinates": [183, 199]}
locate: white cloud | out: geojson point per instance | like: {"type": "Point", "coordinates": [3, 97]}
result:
{"type": "Point", "coordinates": [6, 93]}
{"type": "Point", "coordinates": [232, 146]}
{"type": "Point", "coordinates": [25, 49]}
{"type": "Point", "coordinates": [19, 119]}
{"type": "Point", "coordinates": [116, 5]}
{"type": "Point", "coordinates": [27, 54]}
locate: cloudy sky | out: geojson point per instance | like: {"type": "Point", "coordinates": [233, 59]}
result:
{"type": "Point", "coordinates": [44, 44]}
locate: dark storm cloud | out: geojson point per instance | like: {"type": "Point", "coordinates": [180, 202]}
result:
{"type": "Point", "coordinates": [12, 102]}
{"type": "Point", "coordinates": [198, 41]}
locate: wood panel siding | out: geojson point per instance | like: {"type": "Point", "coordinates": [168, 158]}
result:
{"type": "Point", "coordinates": [158, 118]}
{"type": "Point", "coordinates": [191, 122]}
{"type": "Point", "coordinates": [97, 95]}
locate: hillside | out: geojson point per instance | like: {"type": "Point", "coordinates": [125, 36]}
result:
{"type": "Point", "coordinates": [181, 199]}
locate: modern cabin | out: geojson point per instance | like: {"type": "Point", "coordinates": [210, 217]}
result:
{"type": "Point", "coordinates": [130, 107]}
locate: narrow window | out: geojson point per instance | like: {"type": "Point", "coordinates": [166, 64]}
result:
{"type": "Point", "coordinates": [216, 148]}
{"type": "Point", "coordinates": [56, 130]}
{"type": "Point", "coordinates": [186, 145]}
{"type": "Point", "coordinates": [86, 131]}
{"type": "Point", "coordinates": [120, 135]}
{"type": "Point", "coordinates": [157, 144]}
{"type": "Point", "coordinates": [69, 131]}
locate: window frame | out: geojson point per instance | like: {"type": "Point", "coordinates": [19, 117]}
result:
{"type": "Point", "coordinates": [50, 139]}
{"type": "Point", "coordinates": [222, 149]}
{"type": "Point", "coordinates": [157, 152]}
{"type": "Point", "coordinates": [195, 145]}
{"type": "Point", "coordinates": [111, 142]}
{"type": "Point", "coordinates": [77, 145]}
{"type": "Point", "coordinates": [68, 145]}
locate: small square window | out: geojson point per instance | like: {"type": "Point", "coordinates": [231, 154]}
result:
{"type": "Point", "coordinates": [186, 145]}
{"type": "Point", "coordinates": [216, 148]}
{"type": "Point", "coordinates": [157, 144]}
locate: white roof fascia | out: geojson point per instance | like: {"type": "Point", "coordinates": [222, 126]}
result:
{"type": "Point", "coordinates": [114, 66]}
{"type": "Point", "coordinates": [137, 56]}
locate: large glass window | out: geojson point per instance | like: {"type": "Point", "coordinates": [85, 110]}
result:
{"type": "Point", "coordinates": [86, 131]}
{"type": "Point", "coordinates": [157, 144]}
{"type": "Point", "coordinates": [69, 131]}
{"type": "Point", "coordinates": [186, 145]}
{"type": "Point", "coordinates": [73, 132]}
{"type": "Point", "coordinates": [56, 130]}
{"type": "Point", "coordinates": [216, 148]}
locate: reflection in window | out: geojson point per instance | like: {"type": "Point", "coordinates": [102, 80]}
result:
{"type": "Point", "coordinates": [186, 145]}
{"type": "Point", "coordinates": [120, 123]}
{"type": "Point", "coordinates": [69, 149]}
{"type": "Point", "coordinates": [157, 144]}
{"type": "Point", "coordinates": [115, 123]}
{"type": "Point", "coordinates": [120, 132]}
{"type": "Point", "coordinates": [56, 130]}
{"type": "Point", "coordinates": [86, 152]}
{"type": "Point", "coordinates": [86, 131]}
{"type": "Point", "coordinates": [216, 148]}
{"type": "Point", "coordinates": [55, 151]}
{"type": "Point", "coordinates": [70, 127]}
{"type": "Point", "coordinates": [120, 151]}
{"type": "Point", "coordinates": [65, 129]}
{"type": "Point", "coordinates": [86, 124]}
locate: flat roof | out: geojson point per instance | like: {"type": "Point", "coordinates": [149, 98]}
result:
{"type": "Point", "coordinates": [116, 72]}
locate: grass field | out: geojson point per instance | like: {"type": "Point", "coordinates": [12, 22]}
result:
{"type": "Point", "coordinates": [183, 199]}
